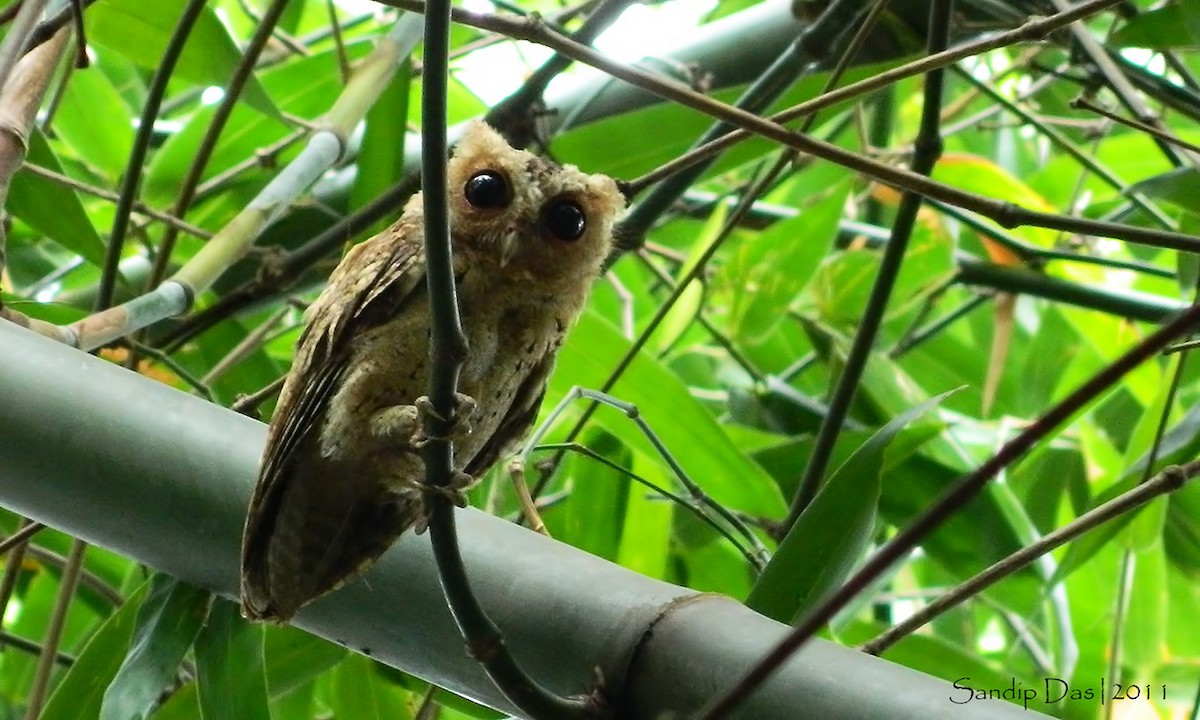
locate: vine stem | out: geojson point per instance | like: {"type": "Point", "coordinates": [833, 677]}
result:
{"type": "Point", "coordinates": [448, 349]}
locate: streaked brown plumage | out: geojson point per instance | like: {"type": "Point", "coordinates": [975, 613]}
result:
{"type": "Point", "coordinates": [341, 478]}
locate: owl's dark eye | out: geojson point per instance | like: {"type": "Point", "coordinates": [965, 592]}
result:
{"type": "Point", "coordinates": [487, 190]}
{"type": "Point", "coordinates": [564, 219]}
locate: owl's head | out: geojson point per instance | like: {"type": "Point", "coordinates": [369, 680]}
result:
{"type": "Point", "coordinates": [531, 216]}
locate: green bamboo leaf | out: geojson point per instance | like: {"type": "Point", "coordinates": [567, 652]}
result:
{"type": "Point", "coordinates": [646, 535]}
{"type": "Point", "coordinates": [82, 688]}
{"type": "Point", "coordinates": [594, 514]}
{"type": "Point", "coordinates": [54, 312]}
{"type": "Point", "coordinates": [1180, 444]}
{"type": "Point", "coordinates": [1146, 531]}
{"type": "Point", "coordinates": [831, 534]}
{"type": "Point", "coordinates": [360, 693]}
{"type": "Point", "coordinates": [229, 666]}
{"type": "Point", "coordinates": [182, 705]}
{"type": "Point", "coordinates": [141, 32]}
{"type": "Point", "coordinates": [1181, 536]}
{"type": "Point", "coordinates": [1177, 187]}
{"type": "Point", "coordinates": [1173, 25]}
{"type": "Point", "coordinates": [784, 258]}
{"type": "Point", "coordinates": [167, 624]}
{"type": "Point", "coordinates": [984, 175]}
{"type": "Point", "coordinates": [841, 286]}
{"type": "Point", "coordinates": [94, 122]}
{"type": "Point", "coordinates": [289, 20]}
{"type": "Point", "coordinates": [294, 657]}
{"type": "Point", "coordinates": [683, 313]}
{"type": "Point", "coordinates": [51, 208]}
{"type": "Point", "coordinates": [1145, 630]}
{"type": "Point", "coordinates": [947, 660]}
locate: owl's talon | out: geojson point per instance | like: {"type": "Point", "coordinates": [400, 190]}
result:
{"type": "Point", "coordinates": [455, 491]}
{"type": "Point", "coordinates": [460, 428]}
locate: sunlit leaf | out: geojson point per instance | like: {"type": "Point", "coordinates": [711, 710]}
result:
{"type": "Point", "coordinates": [142, 31]}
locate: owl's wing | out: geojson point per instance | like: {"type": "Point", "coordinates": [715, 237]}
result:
{"type": "Point", "coordinates": [517, 419]}
{"type": "Point", "coordinates": [375, 280]}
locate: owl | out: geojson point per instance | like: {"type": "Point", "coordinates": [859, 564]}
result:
{"type": "Point", "coordinates": [342, 475]}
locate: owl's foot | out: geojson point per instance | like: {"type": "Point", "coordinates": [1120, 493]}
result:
{"type": "Point", "coordinates": [406, 423]}
{"type": "Point", "coordinates": [455, 491]}
{"type": "Point", "coordinates": [460, 427]}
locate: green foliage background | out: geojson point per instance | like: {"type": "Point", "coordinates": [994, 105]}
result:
{"type": "Point", "coordinates": [733, 381]}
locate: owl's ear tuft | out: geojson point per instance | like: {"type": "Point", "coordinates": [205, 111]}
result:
{"type": "Point", "coordinates": [607, 194]}
{"type": "Point", "coordinates": [480, 139]}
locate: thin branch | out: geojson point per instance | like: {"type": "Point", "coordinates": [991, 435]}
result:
{"type": "Point", "coordinates": [21, 536]}
{"type": "Point", "coordinates": [19, 37]}
{"type": "Point", "coordinates": [813, 43]}
{"type": "Point", "coordinates": [198, 384]}
{"type": "Point", "coordinates": [1032, 29]}
{"type": "Point", "coordinates": [928, 149]}
{"type": "Point", "coordinates": [1124, 594]}
{"type": "Point", "coordinates": [104, 194]}
{"type": "Point", "coordinates": [1116, 80]}
{"type": "Point", "coordinates": [1082, 103]}
{"type": "Point", "coordinates": [58, 621]}
{"type": "Point", "coordinates": [81, 56]}
{"type": "Point", "coordinates": [955, 498]}
{"type": "Point", "coordinates": [511, 113]}
{"type": "Point", "coordinates": [1008, 214]}
{"type": "Point", "coordinates": [692, 505]}
{"type": "Point", "coordinates": [248, 404]}
{"type": "Point", "coordinates": [293, 45]}
{"type": "Point", "coordinates": [264, 157]}
{"type": "Point", "coordinates": [1167, 481]}
{"type": "Point", "coordinates": [33, 648]}
{"type": "Point", "coordinates": [12, 567]}
{"type": "Point", "coordinates": [694, 490]}
{"type": "Point", "coordinates": [921, 334]}
{"type": "Point", "coordinates": [247, 346]}
{"type": "Point", "coordinates": [233, 91]}
{"type": "Point", "coordinates": [87, 578]}
{"type": "Point", "coordinates": [1060, 141]}
{"type": "Point", "coordinates": [131, 179]}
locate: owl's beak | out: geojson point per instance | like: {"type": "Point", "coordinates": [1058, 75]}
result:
{"type": "Point", "coordinates": [509, 242]}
